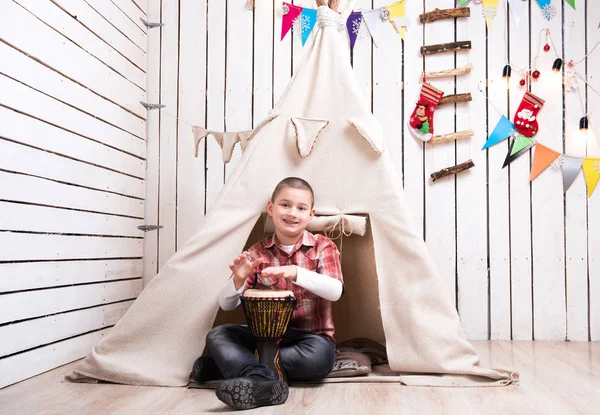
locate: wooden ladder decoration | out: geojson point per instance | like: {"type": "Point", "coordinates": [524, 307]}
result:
{"type": "Point", "coordinates": [426, 50]}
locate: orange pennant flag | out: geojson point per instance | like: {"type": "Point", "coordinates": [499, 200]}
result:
{"type": "Point", "coordinates": [542, 158]}
{"type": "Point", "coordinates": [591, 169]}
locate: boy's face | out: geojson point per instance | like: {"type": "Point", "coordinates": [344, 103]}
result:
{"type": "Point", "coordinates": [291, 211]}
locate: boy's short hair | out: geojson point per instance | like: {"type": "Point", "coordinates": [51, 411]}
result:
{"type": "Point", "coordinates": [294, 183]}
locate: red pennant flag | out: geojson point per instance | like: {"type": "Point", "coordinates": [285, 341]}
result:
{"type": "Point", "coordinates": [290, 13]}
{"type": "Point", "coordinates": [542, 158]}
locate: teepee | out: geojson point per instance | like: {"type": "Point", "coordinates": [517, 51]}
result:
{"type": "Point", "coordinates": [321, 130]}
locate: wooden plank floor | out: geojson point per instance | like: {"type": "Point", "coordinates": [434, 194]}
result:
{"type": "Point", "coordinates": [556, 378]}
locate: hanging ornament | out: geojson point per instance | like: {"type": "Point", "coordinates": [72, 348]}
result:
{"type": "Point", "coordinates": [536, 74]}
{"type": "Point", "coordinates": [546, 48]}
{"type": "Point", "coordinates": [570, 77]}
{"type": "Point", "coordinates": [522, 82]}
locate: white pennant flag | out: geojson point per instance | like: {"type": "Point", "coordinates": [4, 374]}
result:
{"type": "Point", "coordinates": [373, 22]}
{"type": "Point", "coordinates": [516, 8]}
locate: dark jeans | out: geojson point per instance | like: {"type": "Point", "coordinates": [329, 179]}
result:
{"type": "Point", "coordinates": [303, 356]}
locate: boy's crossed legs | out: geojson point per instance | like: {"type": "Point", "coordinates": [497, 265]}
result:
{"type": "Point", "coordinates": [303, 356]}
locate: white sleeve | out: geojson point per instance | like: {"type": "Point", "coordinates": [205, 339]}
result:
{"type": "Point", "coordinates": [319, 284]}
{"type": "Point", "coordinates": [229, 297]}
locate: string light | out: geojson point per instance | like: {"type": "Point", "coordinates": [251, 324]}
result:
{"type": "Point", "coordinates": [583, 123]}
{"type": "Point", "coordinates": [557, 65]}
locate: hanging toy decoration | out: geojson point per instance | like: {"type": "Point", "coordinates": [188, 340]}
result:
{"type": "Point", "coordinates": [570, 77]}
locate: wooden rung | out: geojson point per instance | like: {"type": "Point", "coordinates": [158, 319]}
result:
{"type": "Point", "coordinates": [450, 72]}
{"type": "Point", "coordinates": [445, 47]}
{"type": "Point", "coordinates": [452, 99]}
{"type": "Point", "coordinates": [452, 170]}
{"type": "Point", "coordinates": [444, 138]}
{"type": "Point", "coordinates": [438, 14]}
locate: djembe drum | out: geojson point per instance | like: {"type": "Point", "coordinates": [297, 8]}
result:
{"type": "Point", "coordinates": [268, 313]}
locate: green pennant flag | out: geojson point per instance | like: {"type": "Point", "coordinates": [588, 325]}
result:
{"type": "Point", "coordinates": [571, 2]}
{"type": "Point", "coordinates": [520, 143]}
{"type": "Point", "coordinates": [463, 2]}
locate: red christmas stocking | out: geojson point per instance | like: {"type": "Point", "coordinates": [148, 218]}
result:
{"type": "Point", "coordinates": [526, 116]}
{"type": "Point", "coordinates": [421, 120]}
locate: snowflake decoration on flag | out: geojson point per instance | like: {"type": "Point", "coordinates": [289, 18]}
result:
{"type": "Point", "coordinates": [488, 12]}
{"type": "Point", "coordinates": [596, 166]}
{"type": "Point", "coordinates": [549, 11]}
{"type": "Point", "coordinates": [359, 29]}
{"type": "Point", "coordinates": [300, 25]}
{"type": "Point", "coordinates": [557, 163]}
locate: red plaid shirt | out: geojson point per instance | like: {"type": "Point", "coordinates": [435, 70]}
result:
{"type": "Point", "coordinates": [315, 253]}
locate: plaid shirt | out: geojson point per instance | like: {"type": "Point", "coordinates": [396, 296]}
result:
{"type": "Point", "coordinates": [315, 253]}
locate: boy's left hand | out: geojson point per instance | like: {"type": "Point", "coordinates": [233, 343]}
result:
{"type": "Point", "coordinates": [289, 272]}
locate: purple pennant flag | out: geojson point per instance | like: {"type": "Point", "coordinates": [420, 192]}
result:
{"type": "Point", "coordinates": [353, 24]}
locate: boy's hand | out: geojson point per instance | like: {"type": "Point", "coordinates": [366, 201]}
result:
{"type": "Point", "coordinates": [289, 272]}
{"type": "Point", "coordinates": [242, 267]}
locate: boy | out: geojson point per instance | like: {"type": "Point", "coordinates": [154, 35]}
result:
{"type": "Point", "coordinates": [292, 259]}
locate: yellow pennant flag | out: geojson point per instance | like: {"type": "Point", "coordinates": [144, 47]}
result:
{"type": "Point", "coordinates": [591, 168]}
{"type": "Point", "coordinates": [396, 11]}
{"type": "Point", "coordinates": [489, 10]}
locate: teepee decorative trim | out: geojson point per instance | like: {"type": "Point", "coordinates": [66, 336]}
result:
{"type": "Point", "coordinates": [307, 132]}
{"type": "Point", "coordinates": [331, 225]}
{"type": "Point", "coordinates": [227, 140]}
{"type": "Point", "coordinates": [370, 129]}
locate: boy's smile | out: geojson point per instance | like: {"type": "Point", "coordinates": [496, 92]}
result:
{"type": "Point", "coordinates": [291, 211]}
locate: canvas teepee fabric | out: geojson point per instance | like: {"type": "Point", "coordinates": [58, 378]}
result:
{"type": "Point", "coordinates": [321, 130]}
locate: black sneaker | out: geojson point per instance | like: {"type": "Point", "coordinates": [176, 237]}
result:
{"type": "Point", "coordinates": [248, 393]}
{"type": "Point", "coordinates": [205, 369]}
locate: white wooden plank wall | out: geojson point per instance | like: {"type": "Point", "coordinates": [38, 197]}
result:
{"type": "Point", "coordinates": [72, 176]}
{"type": "Point", "coordinates": [518, 259]}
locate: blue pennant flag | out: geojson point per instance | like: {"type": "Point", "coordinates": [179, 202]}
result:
{"type": "Point", "coordinates": [503, 130]}
{"type": "Point", "coordinates": [309, 19]}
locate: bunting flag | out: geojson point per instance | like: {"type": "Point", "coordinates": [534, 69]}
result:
{"type": "Point", "coordinates": [290, 14]}
{"type": "Point", "coordinates": [518, 147]}
{"type": "Point", "coordinates": [572, 3]}
{"type": "Point", "coordinates": [570, 169]}
{"type": "Point", "coordinates": [516, 9]}
{"type": "Point", "coordinates": [542, 158]}
{"type": "Point", "coordinates": [308, 19]}
{"type": "Point", "coordinates": [548, 9]}
{"type": "Point", "coordinates": [373, 22]}
{"type": "Point", "coordinates": [353, 25]}
{"type": "Point", "coordinates": [463, 2]}
{"type": "Point", "coordinates": [489, 10]}
{"type": "Point", "coordinates": [396, 17]}
{"type": "Point", "coordinates": [502, 131]}
{"type": "Point", "coordinates": [591, 169]}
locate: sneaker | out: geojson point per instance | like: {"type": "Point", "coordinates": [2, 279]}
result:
{"type": "Point", "coordinates": [248, 393]}
{"type": "Point", "coordinates": [205, 369]}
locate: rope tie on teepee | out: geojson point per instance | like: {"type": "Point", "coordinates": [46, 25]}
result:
{"type": "Point", "coordinates": [340, 226]}
{"type": "Point", "coordinates": [327, 17]}
{"type": "Point", "coordinates": [339, 229]}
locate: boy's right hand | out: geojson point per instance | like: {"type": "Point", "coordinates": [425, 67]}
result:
{"type": "Point", "coordinates": [242, 267]}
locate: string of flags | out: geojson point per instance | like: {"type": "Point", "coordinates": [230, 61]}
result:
{"type": "Point", "coordinates": [544, 156]}
{"type": "Point", "coordinates": [548, 8]}
{"type": "Point", "coordinates": [303, 20]}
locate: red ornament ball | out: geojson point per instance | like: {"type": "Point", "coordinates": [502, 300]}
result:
{"type": "Point", "coordinates": [522, 82]}
{"type": "Point", "coordinates": [535, 74]}
{"type": "Point", "coordinates": [546, 48]}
